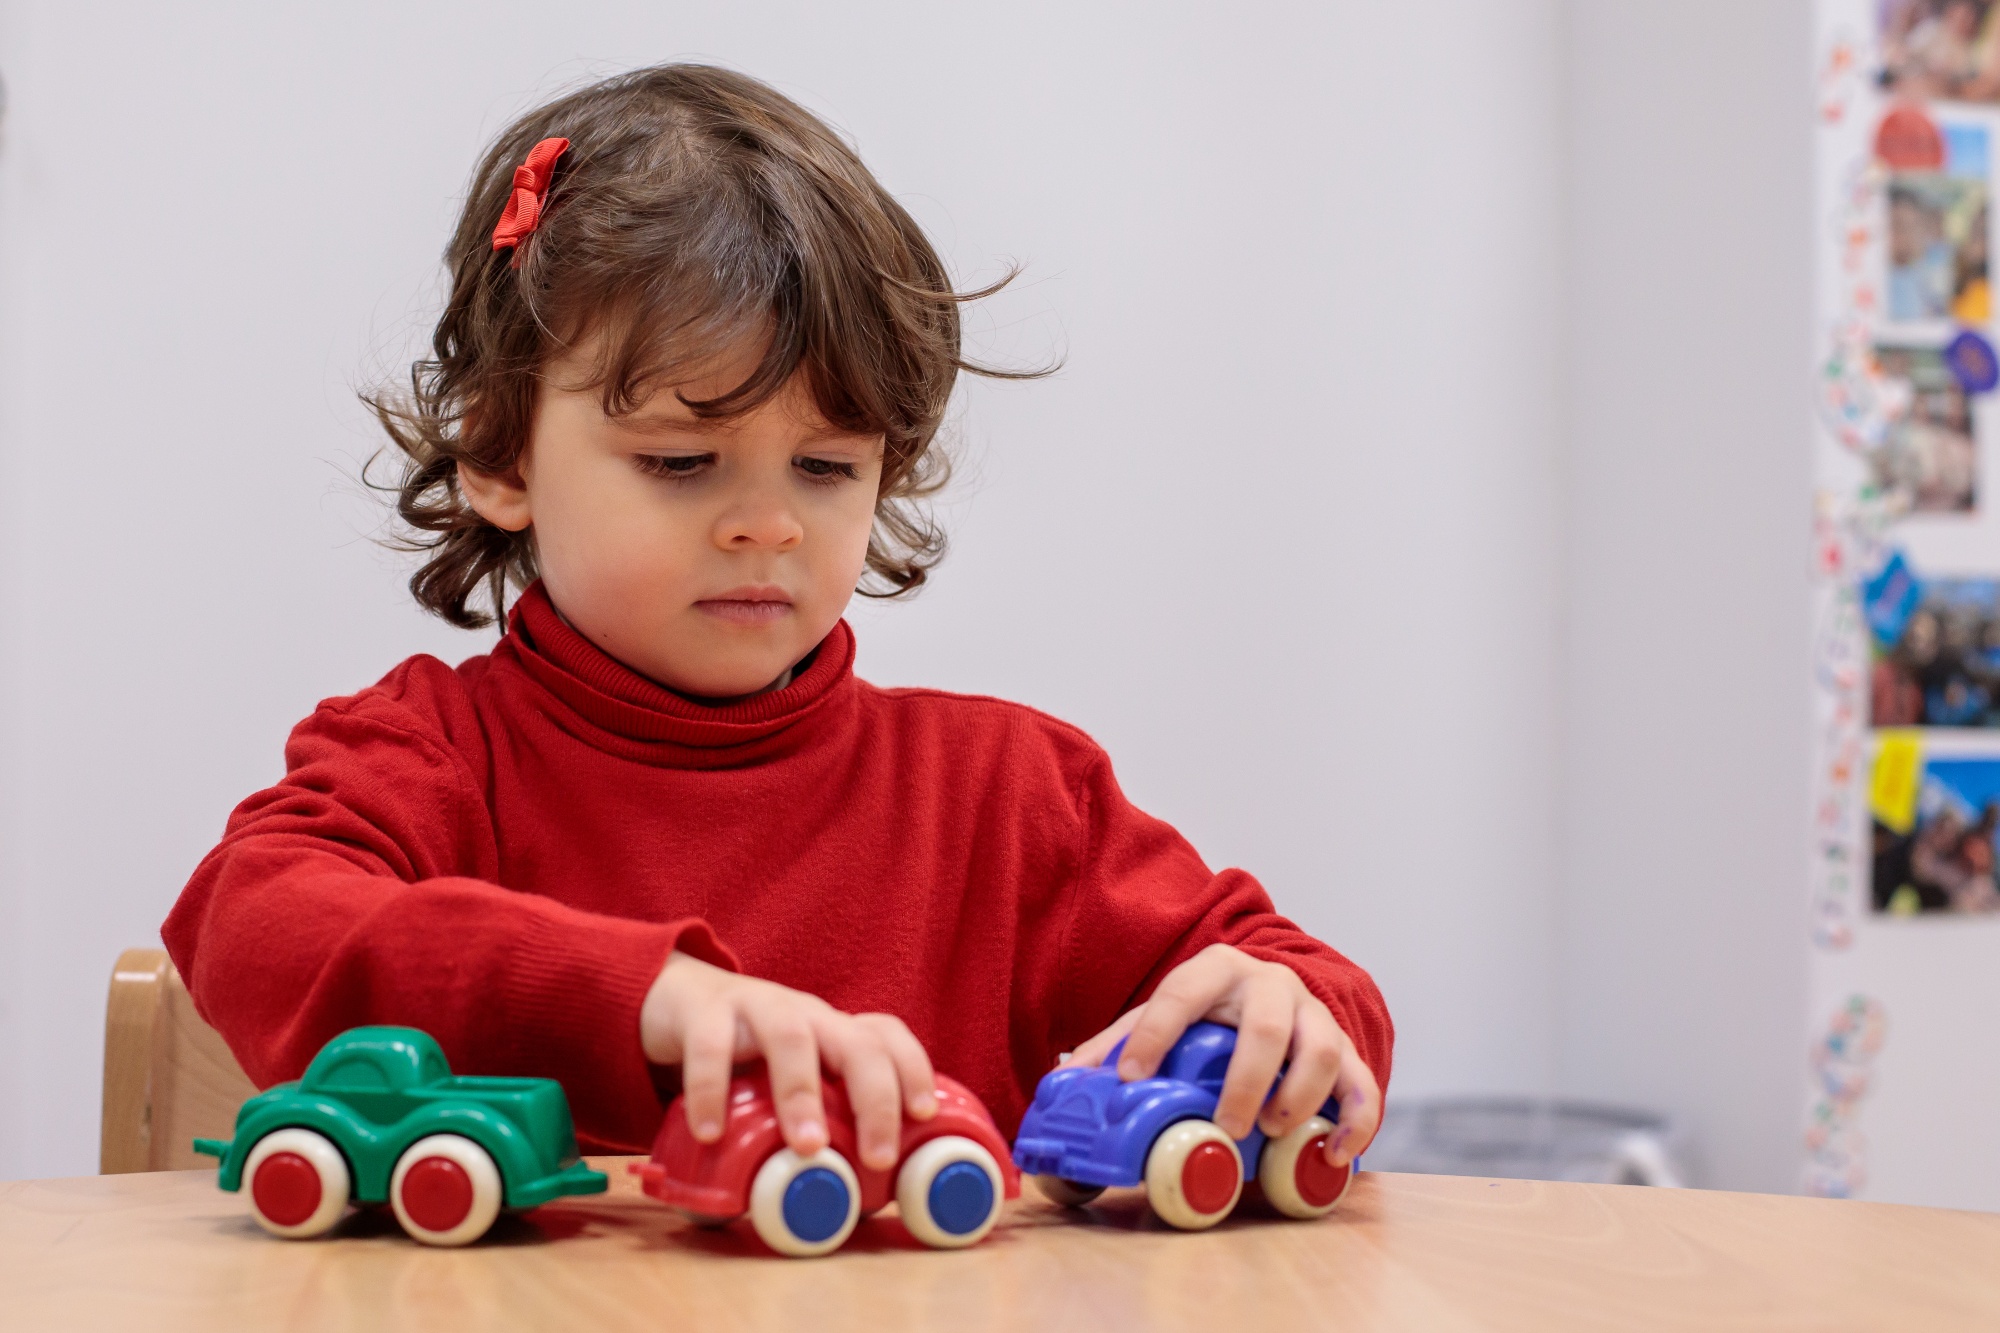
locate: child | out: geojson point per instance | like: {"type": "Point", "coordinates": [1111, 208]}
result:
{"type": "Point", "coordinates": [684, 393]}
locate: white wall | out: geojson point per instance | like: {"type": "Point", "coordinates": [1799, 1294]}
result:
{"type": "Point", "coordinates": [1282, 534]}
{"type": "Point", "coordinates": [1683, 921]}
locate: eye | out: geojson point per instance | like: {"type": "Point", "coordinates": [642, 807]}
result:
{"type": "Point", "coordinates": [677, 466]}
{"type": "Point", "coordinates": [827, 471]}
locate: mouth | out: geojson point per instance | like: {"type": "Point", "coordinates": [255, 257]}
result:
{"type": "Point", "coordinates": [753, 605]}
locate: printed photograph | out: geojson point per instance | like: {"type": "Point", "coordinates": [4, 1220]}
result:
{"type": "Point", "coordinates": [1943, 669]}
{"type": "Point", "coordinates": [1928, 459]}
{"type": "Point", "coordinates": [1938, 241]}
{"type": "Point", "coordinates": [1943, 862]}
{"type": "Point", "coordinates": [1947, 50]}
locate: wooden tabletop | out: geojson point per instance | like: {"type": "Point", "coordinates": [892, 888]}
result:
{"type": "Point", "coordinates": [168, 1251]}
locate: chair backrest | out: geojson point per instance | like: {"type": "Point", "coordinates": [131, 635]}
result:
{"type": "Point", "coordinates": [168, 1077]}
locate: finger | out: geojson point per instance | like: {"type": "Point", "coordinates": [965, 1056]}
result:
{"type": "Point", "coordinates": [1188, 993]}
{"type": "Point", "coordinates": [1263, 1035]}
{"type": "Point", "coordinates": [913, 1064]}
{"type": "Point", "coordinates": [1092, 1052]}
{"type": "Point", "coordinates": [791, 1054]}
{"type": "Point", "coordinates": [873, 1092]}
{"type": "Point", "coordinates": [706, 1056]}
{"type": "Point", "coordinates": [1317, 1047]}
{"type": "Point", "coordinates": [1360, 1106]}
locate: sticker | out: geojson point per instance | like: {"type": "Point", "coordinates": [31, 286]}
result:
{"type": "Point", "coordinates": [1839, 78]}
{"type": "Point", "coordinates": [1908, 140]}
{"type": "Point", "coordinates": [1893, 785]}
{"type": "Point", "coordinates": [1841, 1060]}
{"type": "Point", "coordinates": [1890, 598]}
{"type": "Point", "coordinates": [1972, 360]}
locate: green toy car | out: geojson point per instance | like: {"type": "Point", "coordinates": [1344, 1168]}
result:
{"type": "Point", "coordinates": [380, 1118]}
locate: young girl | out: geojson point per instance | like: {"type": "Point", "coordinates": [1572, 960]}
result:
{"type": "Point", "coordinates": [684, 395]}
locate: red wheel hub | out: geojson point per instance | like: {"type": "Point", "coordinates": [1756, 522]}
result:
{"type": "Point", "coordinates": [437, 1194]}
{"type": "Point", "coordinates": [1209, 1178]}
{"type": "Point", "coordinates": [1319, 1181]}
{"type": "Point", "coordinates": [287, 1188]}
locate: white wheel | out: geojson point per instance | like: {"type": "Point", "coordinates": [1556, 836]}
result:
{"type": "Point", "coordinates": [949, 1191]}
{"type": "Point", "coordinates": [1066, 1193]}
{"type": "Point", "coordinates": [803, 1206]}
{"type": "Point", "coordinates": [446, 1190]}
{"type": "Point", "coordinates": [1295, 1174]}
{"type": "Point", "coordinates": [298, 1183]}
{"type": "Point", "coordinates": [1194, 1175]}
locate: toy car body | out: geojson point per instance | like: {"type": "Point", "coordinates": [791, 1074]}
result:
{"type": "Point", "coordinates": [1089, 1129]}
{"type": "Point", "coordinates": [953, 1171]}
{"type": "Point", "coordinates": [380, 1118]}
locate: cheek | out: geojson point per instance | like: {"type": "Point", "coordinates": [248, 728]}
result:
{"type": "Point", "coordinates": [846, 531]}
{"type": "Point", "coordinates": [605, 528]}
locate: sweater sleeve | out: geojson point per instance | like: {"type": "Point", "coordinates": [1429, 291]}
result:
{"type": "Point", "coordinates": [1144, 903]}
{"type": "Point", "coordinates": [364, 888]}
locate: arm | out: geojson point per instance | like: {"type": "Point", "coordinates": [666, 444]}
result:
{"type": "Point", "coordinates": [362, 889]}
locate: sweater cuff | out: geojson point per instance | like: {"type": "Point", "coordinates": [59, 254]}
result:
{"type": "Point", "coordinates": [569, 1009]}
{"type": "Point", "coordinates": [1367, 1027]}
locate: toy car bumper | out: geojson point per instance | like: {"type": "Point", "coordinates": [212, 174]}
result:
{"type": "Point", "coordinates": [1071, 1161]}
{"type": "Point", "coordinates": [706, 1200]}
{"type": "Point", "coordinates": [576, 1178]}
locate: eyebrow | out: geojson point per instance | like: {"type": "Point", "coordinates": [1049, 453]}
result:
{"type": "Point", "coordinates": [657, 425]}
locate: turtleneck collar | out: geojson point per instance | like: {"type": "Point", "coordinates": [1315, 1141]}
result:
{"type": "Point", "coordinates": [643, 720]}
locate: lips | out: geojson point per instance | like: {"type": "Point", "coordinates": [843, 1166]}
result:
{"type": "Point", "coordinates": [759, 604]}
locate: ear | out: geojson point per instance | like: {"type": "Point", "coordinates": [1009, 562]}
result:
{"type": "Point", "coordinates": [499, 498]}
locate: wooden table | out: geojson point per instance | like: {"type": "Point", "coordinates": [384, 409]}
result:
{"type": "Point", "coordinates": [169, 1251]}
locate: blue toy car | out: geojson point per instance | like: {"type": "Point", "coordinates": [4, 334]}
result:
{"type": "Point", "coordinates": [1089, 1129]}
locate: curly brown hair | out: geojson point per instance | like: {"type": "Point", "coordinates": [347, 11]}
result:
{"type": "Point", "coordinates": [696, 207]}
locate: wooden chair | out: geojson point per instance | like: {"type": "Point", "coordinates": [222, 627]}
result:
{"type": "Point", "coordinates": [167, 1076]}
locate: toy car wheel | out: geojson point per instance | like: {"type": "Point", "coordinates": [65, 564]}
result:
{"type": "Point", "coordinates": [1295, 1175]}
{"type": "Point", "coordinates": [446, 1190]}
{"type": "Point", "coordinates": [1066, 1193]}
{"type": "Point", "coordinates": [298, 1183]}
{"type": "Point", "coordinates": [949, 1191]}
{"type": "Point", "coordinates": [1194, 1175]}
{"type": "Point", "coordinates": [803, 1206]}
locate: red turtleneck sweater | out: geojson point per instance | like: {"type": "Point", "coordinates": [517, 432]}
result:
{"type": "Point", "coordinates": [504, 854]}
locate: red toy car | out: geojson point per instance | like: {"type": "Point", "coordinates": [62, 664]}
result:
{"type": "Point", "coordinates": [954, 1171]}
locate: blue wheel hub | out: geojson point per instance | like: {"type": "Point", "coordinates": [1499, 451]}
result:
{"type": "Point", "coordinates": [815, 1204]}
{"type": "Point", "coordinates": [961, 1198]}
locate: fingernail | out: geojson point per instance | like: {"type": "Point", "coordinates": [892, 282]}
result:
{"type": "Point", "coordinates": [1128, 1070]}
{"type": "Point", "coordinates": [811, 1131]}
{"type": "Point", "coordinates": [708, 1131]}
{"type": "Point", "coordinates": [926, 1104]}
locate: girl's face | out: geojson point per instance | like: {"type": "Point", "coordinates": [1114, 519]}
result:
{"type": "Point", "coordinates": [708, 555]}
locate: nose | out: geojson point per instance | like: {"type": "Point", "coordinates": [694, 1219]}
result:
{"type": "Point", "coordinates": [761, 518]}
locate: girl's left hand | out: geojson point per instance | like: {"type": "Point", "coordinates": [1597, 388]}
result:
{"type": "Point", "coordinates": [1276, 1018]}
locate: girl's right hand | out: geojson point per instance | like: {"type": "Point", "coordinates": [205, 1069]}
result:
{"type": "Point", "coordinates": [706, 1020]}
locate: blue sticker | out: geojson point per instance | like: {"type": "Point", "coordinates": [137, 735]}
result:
{"type": "Point", "coordinates": [1890, 598]}
{"type": "Point", "coordinates": [1973, 362]}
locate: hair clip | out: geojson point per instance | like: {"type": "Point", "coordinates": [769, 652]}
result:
{"type": "Point", "coordinates": [531, 188]}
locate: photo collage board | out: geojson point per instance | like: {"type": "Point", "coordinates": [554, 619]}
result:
{"type": "Point", "coordinates": [1906, 596]}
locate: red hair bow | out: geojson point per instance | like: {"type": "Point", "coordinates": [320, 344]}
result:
{"type": "Point", "coordinates": [531, 189]}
